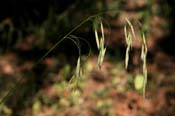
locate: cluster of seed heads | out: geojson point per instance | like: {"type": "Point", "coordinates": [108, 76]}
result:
{"type": "Point", "coordinates": [129, 35]}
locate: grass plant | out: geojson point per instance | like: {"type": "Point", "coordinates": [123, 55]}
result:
{"type": "Point", "coordinates": [100, 42]}
{"type": "Point", "coordinates": [129, 33]}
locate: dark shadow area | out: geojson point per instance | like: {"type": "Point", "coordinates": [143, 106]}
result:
{"type": "Point", "coordinates": [31, 10]}
{"type": "Point", "coordinates": [167, 43]}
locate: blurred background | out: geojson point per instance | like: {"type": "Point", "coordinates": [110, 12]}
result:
{"type": "Point", "coordinates": [33, 87]}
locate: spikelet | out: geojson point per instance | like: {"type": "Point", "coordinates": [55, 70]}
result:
{"type": "Point", "coordinates": [128, 38]}
{"type": "Point", "coordinates": [100, 45]}
{"type": "Point", "coordinates": [143, 58]}
{"type": "Point", "coordinates": [74, 82]}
